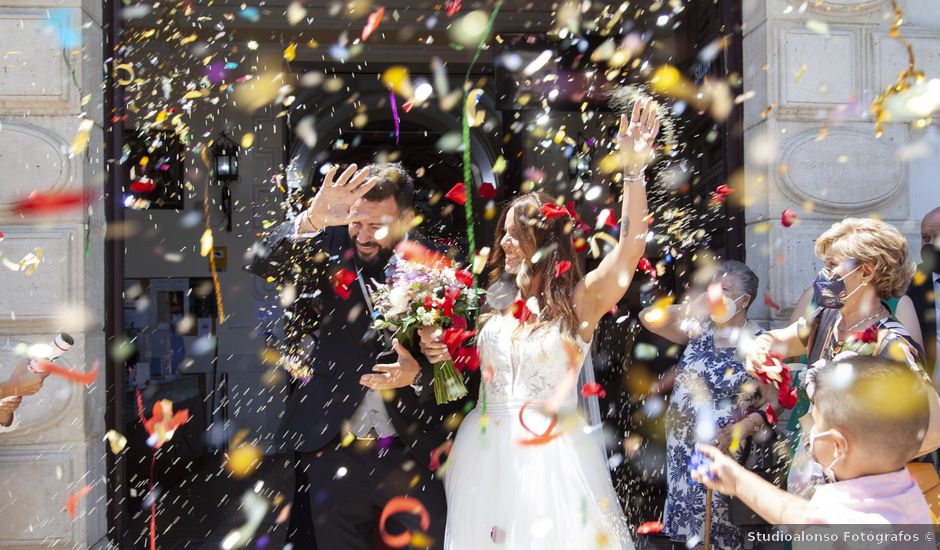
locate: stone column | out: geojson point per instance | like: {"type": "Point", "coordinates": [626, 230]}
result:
{"type": "Point", "coordinates": [51, 82]}
{"type": "Point", "coordinates": [810, 143]}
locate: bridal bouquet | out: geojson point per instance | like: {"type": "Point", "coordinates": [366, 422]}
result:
{"type": "Point", "coordinates": [425, 289]}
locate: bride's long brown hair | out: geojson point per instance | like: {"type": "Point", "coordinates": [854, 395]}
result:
{"type": "Point", "coordinates": [553, 237]}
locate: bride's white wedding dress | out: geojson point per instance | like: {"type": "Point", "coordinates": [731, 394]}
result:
{"type": "Point", "coordinates": [504, 494]}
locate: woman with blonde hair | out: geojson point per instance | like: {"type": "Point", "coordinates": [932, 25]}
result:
{"type": "Point", "coordinates": [523, 473]}
{"type": "Point", "coordinates": [865, 265]}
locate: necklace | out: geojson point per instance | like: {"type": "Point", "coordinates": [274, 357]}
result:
{"type": "Point", "coordinates": [866, 319]}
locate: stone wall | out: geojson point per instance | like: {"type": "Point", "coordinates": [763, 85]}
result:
{"type": "Point", "coordinates": [55, 445]}
{"type": "Point", "coordinates": [810, 143]}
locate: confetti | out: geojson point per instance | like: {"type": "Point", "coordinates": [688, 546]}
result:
{"type": "Point", "coordinates": [163, 423]}
{"type": "Point", "coordinates": [244, 460]}
{"type": "Point", "coordinates": [458, 193]}
{"type": "Point", "coordinates": [402, 505]}
{"type": "Point", "coordinates": [539, 439]}
{"type": "Point", "coordinates": [71, 502]}
{"type": "Point", "coordinates": [84, 378]}
{"type": "Point", "coordinates": [768, 301]}
{"type": "Point", "coordinates": [650, 528]}
{"type": "Point", "coordinates": [722, 191]}
{"type": "Point", "coordinates": [593, 389]}
{"type": "Point", "coordinates": [562, 267]}
{"type": "Point", "coordinates": [787, 218]}
{"type": "Point", "coordinates": [552, 211]}
{"type": "Point", "coordinates": [116, 441]}
{"type": "Point", "coordinates": [475, 117]}
{"type": "Point", "coordinates": [52, 202]}
{"type": "Point", "coordinates": [520, 311]}
{"type": "Point", "coordinates": [28, 264]}
{"type": "Point", "coordinates": [341, 281]}
{"type": "Point", "coordinates": [372, 23]}
{"type": "Point", "coordinates": [395, 119]}
{"type": "Point", "coordinates": [453, 6]}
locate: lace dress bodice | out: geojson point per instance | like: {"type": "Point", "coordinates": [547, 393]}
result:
{"type": "Point", "coordinates": [527, 365]}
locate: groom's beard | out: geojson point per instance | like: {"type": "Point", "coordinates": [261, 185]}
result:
{"type": "Point", "coordinates": [374, 264]}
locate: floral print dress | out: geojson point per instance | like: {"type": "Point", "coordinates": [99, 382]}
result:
{"type": "Point", "coordinates": [709, 394]}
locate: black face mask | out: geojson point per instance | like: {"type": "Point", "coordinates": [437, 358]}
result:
{"type": "Point", "coordinates": [930, 257]}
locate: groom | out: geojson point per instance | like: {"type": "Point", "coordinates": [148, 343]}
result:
{"type": "Point", "coordinates": [363, 428]}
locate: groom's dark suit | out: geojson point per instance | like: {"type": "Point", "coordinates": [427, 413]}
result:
{"type": "Point", "coordinates": [349, 485]}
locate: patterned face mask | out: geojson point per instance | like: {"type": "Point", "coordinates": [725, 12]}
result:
{"type": "Point", "coordinates": [829, 289]}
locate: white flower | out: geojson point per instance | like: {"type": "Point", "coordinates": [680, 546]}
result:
{"type": "Point", "coordinates": [398, 301]}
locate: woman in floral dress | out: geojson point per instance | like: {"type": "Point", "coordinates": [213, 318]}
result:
{"type": "Point", "coordinates": [711, 393]}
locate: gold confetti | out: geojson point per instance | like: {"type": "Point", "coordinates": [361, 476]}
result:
{"type": "Point", "coordinates": [248, 140]}
{"type": "Point", "coordinates": [801, 72]}
{"type": "Point", "coordinates": [116, 441]}
{"type": "Point", "coordinates": [290, 52]}
{"type": "Point", "coordinates": [27, 264]}
{"type": "Point", "coordinates": [80, 141]}
{"type": "Point", "coordinates": [205, 243]}
{"type": "Point", "coordinates": [244, 460]}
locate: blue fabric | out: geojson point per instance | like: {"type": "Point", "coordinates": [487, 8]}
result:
{"type": "Point", "coordinates": [707, 394]}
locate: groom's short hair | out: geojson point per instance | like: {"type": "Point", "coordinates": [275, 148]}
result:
{"type": "Point", "coordinates": [395, 182]}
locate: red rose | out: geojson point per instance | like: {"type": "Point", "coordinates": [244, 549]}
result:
{"type": "Point", "coordinates": [464, 277]}
{"type": "Point", "coordinates": [455, 337]}
{"type": "Point", "coordinates": [450, 298]}
{"type": "Point", "coordinates": [467, 358]}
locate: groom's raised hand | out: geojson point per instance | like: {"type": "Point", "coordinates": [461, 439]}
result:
{"type": "Point", "coordinates": [333, 203]}
{"type": "Point", "coordinates": [390, 376]}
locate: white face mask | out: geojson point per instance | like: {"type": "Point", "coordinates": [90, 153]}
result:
{"type": "Point", "coordinates": [827, 470]}
{"type": "Point", "coordinates": [731, 308]}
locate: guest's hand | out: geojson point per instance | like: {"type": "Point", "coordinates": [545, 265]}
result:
{"type": "Point", "coordinates": [333, 204]}
{"type": "Point", "coordinates": [744, 427]}
{"type": "Point", "coordinates": [637, 135]}
{"type": "Point", "coordinates": [431, 345]}
{"type": "Point", "coordinates": [761, 346]}
{"type": "Point", "coordinates": [24, 382]}
{"type": "Point", "coordinates": [391, 376]}
{"type": "Point", "coordinates": [725, 471]}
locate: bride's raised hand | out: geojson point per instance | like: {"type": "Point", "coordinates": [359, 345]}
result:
{"type": "Point", "coordinates": [636, 136]}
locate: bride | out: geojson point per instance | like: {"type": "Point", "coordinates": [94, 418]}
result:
{"type": "Point", "coordinates": [523, 473]}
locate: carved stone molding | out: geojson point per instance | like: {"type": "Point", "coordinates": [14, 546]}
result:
{"type": "Point", "coordinates": [813, 72]}
{"type": "Point", "coordinates": [36, 153]}
{"type": "Point", "coordinates": [27, 521]}
{"type": "Point", "coordinates": [33, 301]}
{"type": "Point", "coordinates": [842, 8]}
{"type": "Point", "coordinates": [37, 79]}
{"type": "Point", "coordinates": [871, 177]}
